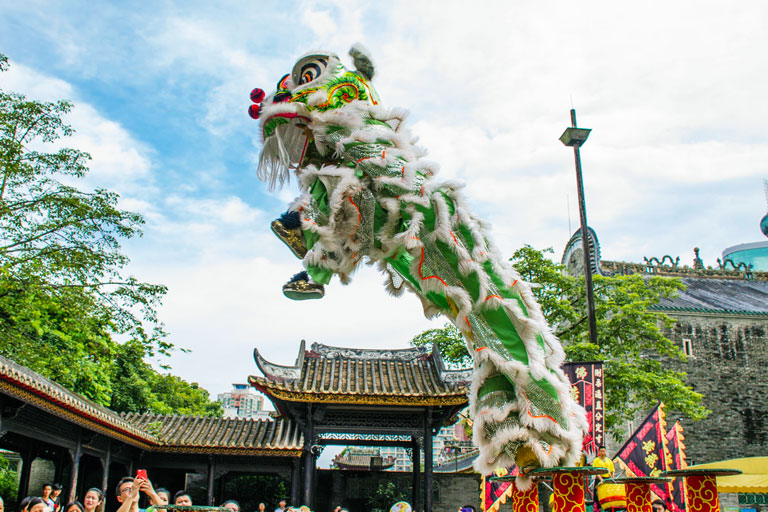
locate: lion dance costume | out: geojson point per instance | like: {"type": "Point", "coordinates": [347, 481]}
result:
{"type": "Point", "coordinates": [368, 194]}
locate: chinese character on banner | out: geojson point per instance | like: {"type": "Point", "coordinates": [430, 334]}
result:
{"type": "Point", "coordinates": [586, 388]}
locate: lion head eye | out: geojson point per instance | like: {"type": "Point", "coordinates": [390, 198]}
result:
{"type": "Point", "coordinates": [282, 84]}
{"type": "Point", "coordinates": [310, 69]}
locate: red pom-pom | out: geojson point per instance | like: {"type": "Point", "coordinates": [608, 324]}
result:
{"type": "Point", "coordinates": [257, 95]}
{"type": "Point", "coordinates": [253, 111]}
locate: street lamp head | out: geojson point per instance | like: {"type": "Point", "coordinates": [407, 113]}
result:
{"type": "Point", "coordinates": [575, 136]}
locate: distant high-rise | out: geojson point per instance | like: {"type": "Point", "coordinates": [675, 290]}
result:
{"type": "Point", "coordinates": [242, 402]}
{"type": "Point", "coordinates": [755, 254]}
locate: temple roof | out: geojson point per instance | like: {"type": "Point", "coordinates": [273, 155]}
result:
{"type": "Point", "coordinates": [189, 434]}
{"type": "Point", "coordinates": [413, 376]}
{"type": "Point", "coordinates": [363, 461]}
{"type": "Point", "coordinates": [243, 436]}
{"type": "Point", "coordinates": [716, 291]}
{"type": "Point", "coordinates": [727, 296]}
{"type": "Point", "coordinates": [22, 383]}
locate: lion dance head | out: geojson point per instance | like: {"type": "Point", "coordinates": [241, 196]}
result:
{"type": "Point", "coordinates": [318, 83]}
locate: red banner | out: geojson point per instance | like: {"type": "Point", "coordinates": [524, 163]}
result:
{"type": "Point", "coordinates": [587, 389]}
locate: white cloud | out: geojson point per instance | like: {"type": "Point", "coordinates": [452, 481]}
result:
{"type": "Point", "coordinates": [223, 307]}
{"type": "Point", "coordinates": [119, 161]}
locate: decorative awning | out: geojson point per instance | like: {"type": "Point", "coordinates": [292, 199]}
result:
{"type": "Point", "coordinates": [754, 478]}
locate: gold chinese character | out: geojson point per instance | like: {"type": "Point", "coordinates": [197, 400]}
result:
{"type": "Point", "coordinates": [649, 446]}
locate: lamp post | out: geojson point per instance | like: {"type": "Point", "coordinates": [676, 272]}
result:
{"type": "Point", "coordinates": [576, 137]}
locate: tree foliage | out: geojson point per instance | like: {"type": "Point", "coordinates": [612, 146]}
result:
{"type": "Point", "coordinates": [64, 295]}
{"type": "Point", "coordinates": [630, 335]}
{"type": "Point", "coordinates": [8, 487]}
{"type": "Point", "coordinates": [454, 354]}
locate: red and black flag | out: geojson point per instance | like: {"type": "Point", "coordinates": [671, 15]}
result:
{"type": "Point", "coordinates": [676, 501]}
{"type": "Point", "coordinates": [644, 453]}
{"type": "Point", "coordinates": [587, 390]}
{"type": "Point", "coordinates": [494, 494]}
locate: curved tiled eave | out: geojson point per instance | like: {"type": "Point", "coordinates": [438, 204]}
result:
{"type": "Point", "coordinates": [711, 311]}
{"type": "Point", "coordinates": [279, 392]}
{"type": "Point", "coordinates": [220, 435]}
{"type": "Point", "coordinates": [28, 386]}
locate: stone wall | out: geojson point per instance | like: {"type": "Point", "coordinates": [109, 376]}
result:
{"type": "Point", "coordinates": [729, 366]}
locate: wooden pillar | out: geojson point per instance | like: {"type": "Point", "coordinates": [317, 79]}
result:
{"type": "Point", "coordinates": [416, 459]}
{"type": "Point", "coordinates": [309, 471]}
{"type": "Point", "coordinates": [211, 478]}
{"type": "Point", "coordinates": [221, 487]}
{"type": "Point", "coordinates": [75, 469]}
{"type": "Point", "coordinates": [27, 457]}
{"type": "Point", "coordinates": [105, 462]}
{"type": "Point", "coordinates": [428, 460]}
{"type": "Point", "coordinates": [309, 459]}
{"type": "Point", "coordinates": [295, 477]}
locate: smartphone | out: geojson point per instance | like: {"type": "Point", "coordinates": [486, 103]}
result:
{"type": "Point", "coordinates": [141, 473]}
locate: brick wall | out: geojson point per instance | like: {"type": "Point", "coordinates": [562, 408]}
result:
{"type": "Point", "coordinates": [729, 366]}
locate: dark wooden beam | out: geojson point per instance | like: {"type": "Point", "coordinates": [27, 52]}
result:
{"type": "Point", "coordinates": [309, 459]}
{"type": "Point", "coordinates": [76, 454]}
{"type": "Point", "coordinates": [416, 461]}
{"type": "Point", "coordinates": [27, 457]}
{"type": "Point", "coordinates": [428, 461]}
{"type": "Point", "coordinates": [105, 462]}
{"type": "Point", "coordinates": [211, 476]}
{"type": "Point", "coordinates": [295, 478]}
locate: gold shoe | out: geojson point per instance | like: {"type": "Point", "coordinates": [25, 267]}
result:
{"type": "Point", "coordinates": [292, 237]}
{"type": "Point", "coordinates": [299, 288]}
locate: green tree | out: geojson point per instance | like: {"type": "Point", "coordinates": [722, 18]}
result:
{"type": "Point", "coordinates": [64, 298]}
{"type": "Point", "coordinates": [454, 354]}
{"type": "Point", "coordinates": [630, 335]}
{"type": "Point", "coordinates": [138, 387]}
{"type": "Point", "coordinates": [387, 494]}
{"type": "Point", "coordinates": [8, 488]}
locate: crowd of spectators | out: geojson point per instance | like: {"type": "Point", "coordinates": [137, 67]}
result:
{"type": "Point", "coordinates": [128, 493]}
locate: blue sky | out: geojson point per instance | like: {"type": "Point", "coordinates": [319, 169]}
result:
{"type": "Point", "coordinates": [674, 93]}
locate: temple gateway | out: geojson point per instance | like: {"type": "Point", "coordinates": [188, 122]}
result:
{"type": "Point", "coordinates": [365, 397]}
